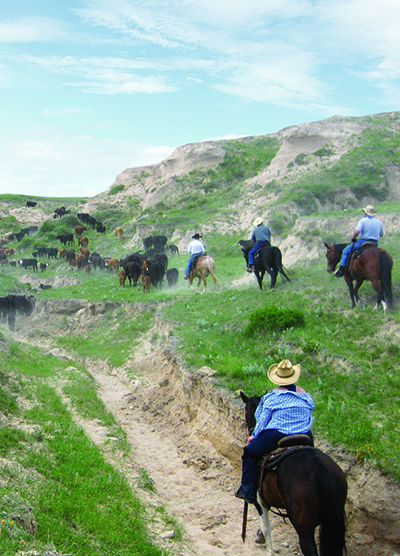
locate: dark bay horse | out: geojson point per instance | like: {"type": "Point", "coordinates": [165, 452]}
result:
{"type": "Point", "coordinates": [312, 489]}
{"type": "Point", "coordinates": [373, 264]}
{"type": "Point", "coordinates": [204, 266]}
{"type": "Point", "coordinates": [267, 259]}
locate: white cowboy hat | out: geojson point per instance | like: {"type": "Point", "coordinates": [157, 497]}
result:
{"type": "Point", "coordinates": [370, 210]}
{"type": "Point", "coordinates": [258, 221]}
{"type": "Point", "coordinates": [284, 373]}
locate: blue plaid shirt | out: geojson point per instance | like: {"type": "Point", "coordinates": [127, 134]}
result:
{"type": "Point", "coordinates": [285, 411]}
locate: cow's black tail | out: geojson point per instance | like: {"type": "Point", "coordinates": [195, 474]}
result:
{"type": "Point", "coordinates": [386, 279]}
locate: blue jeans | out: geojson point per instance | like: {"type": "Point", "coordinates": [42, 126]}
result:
{"type": "Point", "coordinates": [352, 247]}
{"type": "Point", "coordinates": [192, 256]}
{"type": "Point", "coordinates": [254, 250]}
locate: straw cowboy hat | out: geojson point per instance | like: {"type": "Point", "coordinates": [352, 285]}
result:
{"type": "Point", "coordinates": [370, 210]}
{"type": "Point", "coordinates": [258, 221]}
{"type": "Point", "coordinates": [284, 373]}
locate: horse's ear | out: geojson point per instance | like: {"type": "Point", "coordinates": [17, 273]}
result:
{"type": "Point", "coordinates": [243, 396]}
{"type": "Point", "coordinates": [326, 245]}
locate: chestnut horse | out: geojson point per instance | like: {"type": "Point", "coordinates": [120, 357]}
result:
{"type": "Point", "coordinates": [312, 489]}
{"type": "Point", "coordinates": [205, 266]}
{"type": "Point", "coordinates": [371, 263]}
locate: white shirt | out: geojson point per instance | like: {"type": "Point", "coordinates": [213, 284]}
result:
{"type": "Point", "coordinates": [196, 246]}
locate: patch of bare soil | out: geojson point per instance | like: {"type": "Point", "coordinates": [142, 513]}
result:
{"type": "Point", "coordinates": [189, 435]}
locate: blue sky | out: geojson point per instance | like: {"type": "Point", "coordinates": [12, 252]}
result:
{"type": "Point", "coordinates": [92, 87]}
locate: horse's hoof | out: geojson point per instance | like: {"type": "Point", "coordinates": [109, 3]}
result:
{"type": "Point", "coordinates": [260, 539]}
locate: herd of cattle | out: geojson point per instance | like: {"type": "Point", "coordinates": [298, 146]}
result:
{"type": "Point", "coordinates": [151, 266]}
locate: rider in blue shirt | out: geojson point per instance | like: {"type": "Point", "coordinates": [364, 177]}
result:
{"type": "Point", "coordinates": [284, 411]}
{"type": "Point", "coordinates": [369, 228]}
{"type": "Point", "coordinates": [261, 235]}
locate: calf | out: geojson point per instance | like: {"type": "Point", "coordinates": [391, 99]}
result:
{"type": "Point", "coordinates": [122, 278]}
{"type": "Point", "coordinates": [119, 232]}
{"type": "Point", "coordinates": [45, 286]}
{"type": "Point", "coordinates": [146, 284]}
{"type": "Point", "coordinates": [172, 276]}
{"type": "Point", "coordinates": [43, 266]}
{"type": "Point", "coordinates": [112, 264]}
{"type": "Point", "coordinates": [87, 269]}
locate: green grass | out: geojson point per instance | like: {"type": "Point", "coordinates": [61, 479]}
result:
{"type": "Point", "coordinates": [81, 503]}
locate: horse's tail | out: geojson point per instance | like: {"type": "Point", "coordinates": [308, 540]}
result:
{"type": "Point", "coordinates": [386, 268]}
{"type": "Point", "coordinates": [211, 269]}
{"type": "Point", "coordinates": [332, 535]}
{"type": "Point", "coordinates": [278, 263]}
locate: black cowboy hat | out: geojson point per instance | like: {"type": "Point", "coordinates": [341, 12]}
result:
{"type": "Point", "coordinates": [196, 236]}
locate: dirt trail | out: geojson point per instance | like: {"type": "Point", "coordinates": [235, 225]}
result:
{"type": "Point", "coordinates": [195, 482]}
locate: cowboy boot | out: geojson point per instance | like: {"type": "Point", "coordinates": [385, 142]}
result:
{"type": "Point", "coordinates": [248, 489]}
{"type": "Point", "coordinates": [340, 271]}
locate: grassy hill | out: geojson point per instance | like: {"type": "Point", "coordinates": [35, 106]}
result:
{"type": "Point", "coordinates": [309, 182]}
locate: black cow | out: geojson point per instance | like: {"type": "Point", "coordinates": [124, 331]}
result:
{"type": "Point", "coordinates": [100, 229]}
{"type": "Point", "coordinates": [66, 239]}
{"type": "Point", "coordinates": [172, 276]}
{"type": "Point", "coordinates": [132, 258]}
{"type": "Point", "coordinates": [148, 242]}
{"type": "Point", "coordinates": [26, 263]}
{"type": "Point", "coordinates": [96, 261]}
{"type": "Point", "coordinates": [43, 267]}
{"type": "Point", "coordinates": [31, 203]}
{"type": "Point", "coordinates": [133, 272]}
{"type": "Point", "coordinates": [156, 271]}
{"type": "Point", "coordinates": [159, 243]}
{"type": "Point", "coordinates": [52, 252]}
{"type": "Point", "coordinates": [11, 304]}
{"type": "Point", "coordinates": [61, 211]}
{"type": "Point", "coordinates": [70, 255]}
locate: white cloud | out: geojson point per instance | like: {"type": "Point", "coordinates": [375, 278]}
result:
{"type": "Point", "coordinates": [41, 162]}
{"type": "Point", "coordinates": [34, 29]}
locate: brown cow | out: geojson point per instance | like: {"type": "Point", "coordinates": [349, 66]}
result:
{"type": "Point", "coordinates": [84, 241]}
{"type": "Point", "coordinates": [85, 251]}
{"type": "Point", "coordinates": [79, 230]}
{"type": "Point", "coordinates": [87, 269]}
{"type": "Point", "coordinates": [119, 232]}
{"type": "Point", "coordinates": [9, 251]}
{"type": "Point", "coordinates": [63, 253]}
{"type": "Point", "coordinates": [112, 264]}
{"type": "Point", "coordinates": [122, 278]}
{"type": "Point", "coordinates": [146, 284]}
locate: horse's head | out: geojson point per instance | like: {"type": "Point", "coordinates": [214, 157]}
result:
{"type": "Point", "coordinates": [332, 256]}
{"type": "Point", "coordinates": [251, 406]}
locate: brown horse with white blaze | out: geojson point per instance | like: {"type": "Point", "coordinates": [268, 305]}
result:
{"type": "Point", "coordinates": [205, 266]}
{"type": "Point", "coordinates": [368, 263]}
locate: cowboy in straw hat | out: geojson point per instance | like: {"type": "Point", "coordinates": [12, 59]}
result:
{"type": "Point", "coordinates": [369, 229]}
{"type": "Point", "coordinates": [261, 235]}
{"type": "Point", "coordinates": [281, 412]}
{"type": "Point", "coordinates": [196, 247]}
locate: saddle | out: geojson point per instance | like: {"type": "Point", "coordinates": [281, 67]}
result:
{"type": "Point", "coordinates": [358, 252]}
{"type": "Point", "coordinates": [287, 446]}
{"type": "Point", "coordinates": [257, 253]}
{"type": "Point", "coordinates": [195, 259]}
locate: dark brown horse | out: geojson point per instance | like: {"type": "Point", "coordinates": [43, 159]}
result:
{"type": "Point", "coordinates": [205, 266]}
{"type": "Point", "coordinates": [371, 263]}
{"type": "Point", "coordinates": [267, 259]}
{"type": "Point", "coordinates": [312, 489]}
